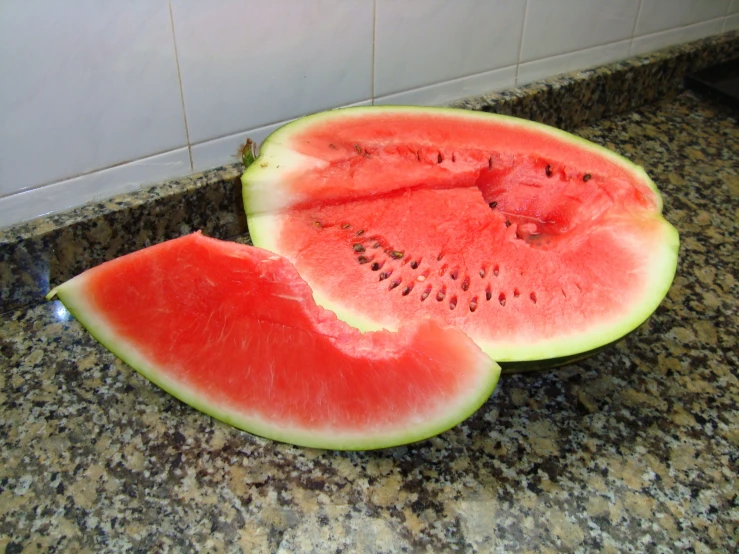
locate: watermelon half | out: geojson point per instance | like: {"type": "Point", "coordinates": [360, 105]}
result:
{"type": "Point", "coordinates": [233, 331]}
{"type": "Point", "coordinates": [540, 245]}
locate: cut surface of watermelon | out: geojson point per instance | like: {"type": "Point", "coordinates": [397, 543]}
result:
{"type": "Point", "coordinates": [538, 244]}
{"type": "Point", "coordinates": [233, 331]}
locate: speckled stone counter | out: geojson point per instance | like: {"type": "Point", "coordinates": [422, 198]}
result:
{"type": "Point", "coordinates": [635, 449]}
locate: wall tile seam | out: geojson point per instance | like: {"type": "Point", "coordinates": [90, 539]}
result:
{"type": "Point", "coordinates": [636, 23]}
{"type": "Point", "coordinates": [179, 83]}
{"type": "Point", "coordinates": [97, 170]}
{"type": "Point", "coordinates": [631, 38]}
{"type": "Point", "coordinates": [520, 39]}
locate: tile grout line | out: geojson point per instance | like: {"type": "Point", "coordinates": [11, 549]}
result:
{"type": "Point", "coordinates": [179, 80]}
{"type": "Point", "coordinates": [633, 29]}
{"type": "Point", "coordinates": [456, 79]}
{"type": "Point", "coordinates": [520, 41]}
{"type": "Point", "coordinates": [93, 172]}
{"type": "Point", "coordinates": [679, 28]}
{"type": "Point", "coordinates": [671, 29]}
{"type": "Point", "coordinates": [374, 39]}
{"type": "Point", "coordinates": [570, 52]}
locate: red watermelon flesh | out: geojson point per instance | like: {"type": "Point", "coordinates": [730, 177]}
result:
{"type": "Point", "coordinates": [233, 331]}
{"type": "Point", "coordinates": [538, 244]}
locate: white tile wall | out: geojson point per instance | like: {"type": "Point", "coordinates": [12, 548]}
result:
{"type": "Point", "coordinates": [424, 42]}
{"type": "Point", "coordinates": [641, 45]}
{"type": "Point", "coordinates": [539, 69]}
{"type": "Point", "coordinates": [94, 186]}
{"type": "Point", "coordinates": [248, 64]}
{"type": "Point", "coordinates": [731, 23]}
{"type": "Point", "coordinates": [85, 85]}
{"type": "Point", "coordinates": [105, 97]}
{"type": "Point", "coordinates": [662, 15]}
{"type": "Point", "coordinates": [569, 25]}
{"type": "Point", "coordinates": [447, 91]}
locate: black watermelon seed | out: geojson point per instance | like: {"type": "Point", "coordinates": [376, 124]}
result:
{"type": "Point", "coordinates": [466, 283]}
{"type": "Point", "coordinates": [407, 290]}
{"type": "Point", "coordinates": [425, 294]}
{"type": "Point", "coordinates": [482, 273]}
{"type": "Point", "coordinates": [439, 159]}
{"type": "Point", "coordinates": [493, 204]}
{"type": "Point", "coordinates": [396, 254]}
{"type": "Point", "coordinates": [414, 264]}
{"type": "Point", "coordinates": [454, 274]}
{"type": "Point", "coordinates": [394, 284]}
{"type": "Point", "coordinates": [440, 295]}
{"type": "Point", "coordinates": [533, 297]}
{"type": "Point", "coordinates": [586, 177]}
{"type": "Point", "coordinates": [362, 260]}
{"type": "Point", "coordinates": [453, 303]}
{"type": "Point", "coordinates": [548, 170]}
{"type": "Point", "coordinates": [488, 293]}
{"type": "Point", "coordinates": [375, 266]}
{"type": "Point", "coordinates": [385, 274]}
{"type": "Point", "coordinates": [473, 304]}
{"type": "Point", "coordinates": [358, 248]}
{"type": "Point", "coordinates": [490, 163]}
{"type": "Point", "coordinates": [507, 223]}
{"type": "Point", "coordinates": [332, 146]}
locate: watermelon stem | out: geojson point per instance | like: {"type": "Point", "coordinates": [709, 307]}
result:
{"type": "Point", "coordinates": [249, 151]}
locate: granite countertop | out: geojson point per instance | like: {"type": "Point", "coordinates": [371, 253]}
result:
{"type": "Point", "coordinates": [634, 449]}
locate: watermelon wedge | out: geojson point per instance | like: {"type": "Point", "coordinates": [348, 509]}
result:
{"type": "Point", "coordinates": [541, 246]}
{"type": "Point", "coordinates": [233, 331]}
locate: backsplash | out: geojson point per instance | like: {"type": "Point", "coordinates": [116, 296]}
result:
{"type": "Point", "coordinates": [100, 98]}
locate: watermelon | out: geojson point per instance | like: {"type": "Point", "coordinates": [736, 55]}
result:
{"type": "Point", "coordinates": [233, 331]}
{"type": "Point", "coordinates": [541, 246]}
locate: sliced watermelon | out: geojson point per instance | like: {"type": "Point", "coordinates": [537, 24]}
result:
{"type": "Point", "coordinates": [540, 245]}
{"type": "Point", "coordinates": [233, 331]}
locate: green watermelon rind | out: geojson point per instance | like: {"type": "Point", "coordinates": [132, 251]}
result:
{"type": "Point", "coordinates": [263, 225]}
{"type": "Point", "coordinates": [71, 294]}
